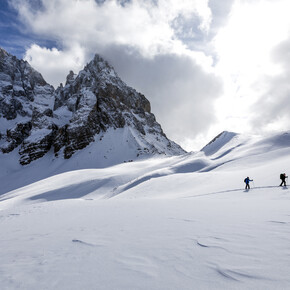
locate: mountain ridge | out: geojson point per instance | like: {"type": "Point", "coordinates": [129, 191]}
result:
{"type": "Point", "coordinates": [39, 119]}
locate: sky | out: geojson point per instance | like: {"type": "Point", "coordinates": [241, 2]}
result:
{"type": "Point", "coordinates": [205, 65]}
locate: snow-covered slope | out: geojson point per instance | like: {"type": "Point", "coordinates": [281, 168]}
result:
{"type": "Point", "coordinates": [218, 142]}
{"type": "Point", "coordinates": [241, 153]}
{"type": "Point", "coordinates": [182, 222]}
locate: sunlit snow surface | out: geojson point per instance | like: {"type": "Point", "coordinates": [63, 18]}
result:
{"type": "Point", "coordinates": [163, 223]}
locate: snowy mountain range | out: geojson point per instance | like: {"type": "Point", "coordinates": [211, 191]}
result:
{"type": "Point", "coordinates": [94, 106]}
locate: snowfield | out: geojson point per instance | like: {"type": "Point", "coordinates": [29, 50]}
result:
{"type": "Point", "coordinates": [181, 222]}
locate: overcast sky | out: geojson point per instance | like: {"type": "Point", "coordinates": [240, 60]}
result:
{"type": "Point", "coordinates": [205, 65]}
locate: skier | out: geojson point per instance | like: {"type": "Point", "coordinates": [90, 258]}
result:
{"type": "Point", "coordinates": [283, 178]}
{"type": "Point", "coordinates": [247, 181]}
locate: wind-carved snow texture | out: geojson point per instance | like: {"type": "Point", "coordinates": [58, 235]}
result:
{"type": "Point", "coordinates": [36, 118]}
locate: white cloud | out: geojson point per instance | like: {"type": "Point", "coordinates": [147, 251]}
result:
{"type": "Point", "coordinates": [53, 63]}
{"type": "Point", "coordinates": [244, 49]}
{"type": "Point", "coordinates": [145, 25]}
{"type": "Point", "coordinates": [272, 109]}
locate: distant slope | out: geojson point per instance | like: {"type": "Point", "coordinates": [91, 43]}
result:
{"type": "Point", "coordinates": [261, 158]}
{"type": "Point", "coordinates": [218, 142]}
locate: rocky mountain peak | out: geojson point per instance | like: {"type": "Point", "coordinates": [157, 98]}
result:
{"type": "Point", "coordinates": [3, 53]}
{"type": "Point", "coordinates": [70, 78]}
{"type": "Point", "coordinates": [100, 71]}
{"type": "Point", "coordinates": [100, 65]}
{"type": "Point", "coordinates": [68, 119]}
{"type": "Point", "coordinates": [15, 70]}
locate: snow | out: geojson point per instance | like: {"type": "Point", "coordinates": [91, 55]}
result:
{"type": "Point", "coordinates": [37, 135]}
{"type": "Point", "coordinates": [43, 97]}
{"type": "Point", "coordinates": [62, 116]}
{"type": "Point", "coordinates": [5, 81]}
{"type": "Point", "coordinates": [181, 222]}
{"type": "Point", "coordinates": [18, 88]}
{"type": "Point", "coordinates": [10, 124]}
{"type": "Point", "coordinates": [88, 98]}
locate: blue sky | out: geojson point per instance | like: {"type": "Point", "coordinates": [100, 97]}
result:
{"type": "Point", "coordinates": [205, 65]}
{"type": "Point", "coordinates": [11, 39]}
{"type": "Point", "coordinates": [16, 38]}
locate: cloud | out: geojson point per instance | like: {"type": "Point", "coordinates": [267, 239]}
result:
{"type": "Point", "coordinates": [146, 25]}
{"type": "Point", "coordinates": [80, 28]}
{"type": "Point", "coordinates": [253, 80]}
{"type": "Point", "coordinates": [55, 64]}
{"type": "Point", "coordinates": [273, 107]}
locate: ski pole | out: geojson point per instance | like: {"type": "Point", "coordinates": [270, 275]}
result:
{"type": "Point", "coordinates": [254, 183]}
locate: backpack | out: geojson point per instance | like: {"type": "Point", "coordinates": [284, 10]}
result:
{"type": "Point", "coordinates": [245, 180]}
{"type": "Point", "coordinates": [281, 176]}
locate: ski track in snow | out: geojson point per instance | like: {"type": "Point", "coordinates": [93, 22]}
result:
{"type": "Point", "coordinates": [84, 243]}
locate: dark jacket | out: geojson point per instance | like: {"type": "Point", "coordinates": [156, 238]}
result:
{"type": "Point", "coordinates": [247, 180]}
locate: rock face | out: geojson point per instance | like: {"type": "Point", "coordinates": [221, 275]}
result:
{"type": "Point", "coordinates": [39, 118]}
{"type": "Point", "coordinates": [20, 87]}
{"type": "Point", "coordinates": [25, 99]}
